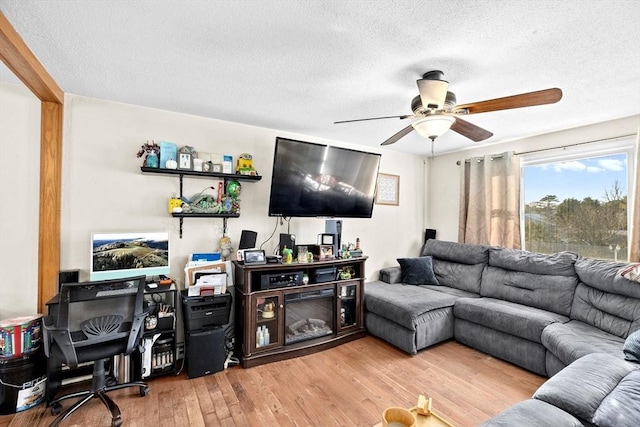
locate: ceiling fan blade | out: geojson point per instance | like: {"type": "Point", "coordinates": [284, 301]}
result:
{"type": "Point", "coordinates": [398, 135]}
{"type": "Point", "coordinates": [432, 93]}
{"type": "Point", "coordinates": [471, 131]}
{"type": "Point", "coordinates": [541, 97]}
{"type": "Point", "coordinates": [406, 116]}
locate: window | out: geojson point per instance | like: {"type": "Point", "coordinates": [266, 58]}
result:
{"type": "Point", "coordinates": [577, 201]}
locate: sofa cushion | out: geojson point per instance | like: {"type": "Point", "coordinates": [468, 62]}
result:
{"type": "Point", "coordinates": [417, 271]}
{"type": "Point", "coordinates": [611, 312]}
{"type": "Point", "coordinates": [457, 265]}
{"type": "Point", "coordinates": [463, 253]}
{"type": "Point", "coordinates": [452, 291]}
{"type": "Point", "coordinates": [581, 388]}
{"type": "Point", "coordinates": [560, 264]}
{"type": "Point", "coordinates": [404, 305]}
{"type": "Point", "coordinates": [631, 347]}
{"type": "Point", "coordinates": [543, 281]}
{"type": "Point", "coordinates": [533, 413]}
{"type": "Point", "coordinates": [460, 276]}
{"type": "Point", "coordinates": [604, 275]}
{"type": "Point", "coordinates": [621, 408]}
{"type": "Point", "coordinates": [511, 318]}
{"type": "Point", "coordinates": [574, 339]}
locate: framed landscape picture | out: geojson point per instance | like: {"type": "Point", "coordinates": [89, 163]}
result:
{"type": "Point", "coordinates": [388, 192]}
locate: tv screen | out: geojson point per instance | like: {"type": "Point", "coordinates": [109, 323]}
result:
{"type": "Point", "coordinates": [315, 180]}
{"type": "Point", "coordinates": [119, 255]}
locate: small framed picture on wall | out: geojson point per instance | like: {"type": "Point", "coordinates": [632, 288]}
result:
{"type": "Point", "coordinates": [388, 189]}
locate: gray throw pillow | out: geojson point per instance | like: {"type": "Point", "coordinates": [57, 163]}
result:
{"type": "Point", "coordinates": [631, 347]}
{"type": "Point", "coordinates": [418, 271]}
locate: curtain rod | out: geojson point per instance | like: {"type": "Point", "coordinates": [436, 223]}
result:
{"type": "Point", "coordinates": [499, 156]}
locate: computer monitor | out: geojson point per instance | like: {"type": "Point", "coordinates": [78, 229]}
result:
{"type": "Point", "coordinates": [126, 254]}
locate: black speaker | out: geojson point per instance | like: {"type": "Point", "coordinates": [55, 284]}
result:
{"type": "Point", "coordinates": [68, 276]}
{"type": "Point", "coordinates": [288, 240]}
{"type": "Point", "coordinates": [429, 233]}
{"type": "Point", "coordinates": [334, 226]}
{"type": "Point", "coordinates": [205, 352]}
{"type": "Point", "coordinates": [248, 239]}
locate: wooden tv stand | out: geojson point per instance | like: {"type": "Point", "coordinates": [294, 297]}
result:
{"type": "Point", "coordinates": [272, 297]}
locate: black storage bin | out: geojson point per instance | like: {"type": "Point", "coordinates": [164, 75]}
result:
{"type": "Point", "coordinates": [23, 382]}
{"type": "Point", "coordinates": [203, 312]}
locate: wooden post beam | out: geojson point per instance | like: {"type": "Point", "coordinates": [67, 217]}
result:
{"type": "Point", "coordinates": [18, 58]}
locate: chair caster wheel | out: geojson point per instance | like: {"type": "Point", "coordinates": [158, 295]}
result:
{"type": "Point", "coordinates": [110, 382]}
{"type": "Point", "coordinates": [144, 391]}
{"type": "Point", "coordinates": [116, 422]}
{"type": "Point", "coordinates": [56, 408]}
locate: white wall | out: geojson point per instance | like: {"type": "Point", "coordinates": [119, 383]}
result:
{"type": "Point", "coordinates": [19, 192]}
{"type": "Point", "coordinates": [104, 190]}
{"type": "Point", "coordinates": [444, 187]}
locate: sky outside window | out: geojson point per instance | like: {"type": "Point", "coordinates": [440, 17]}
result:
{"type": "Point", "coordinates": [575, 178]}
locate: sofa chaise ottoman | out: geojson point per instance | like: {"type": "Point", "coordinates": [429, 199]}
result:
{"type": "Point", "coordinates": [413, 317]}
{"type": "Point", "coordinates": [596, 390]}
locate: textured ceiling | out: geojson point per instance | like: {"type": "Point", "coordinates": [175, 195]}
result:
{"type": "Point", "coordinates": [301, 65]}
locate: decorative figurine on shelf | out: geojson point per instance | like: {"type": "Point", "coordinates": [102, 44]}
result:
{"type": "Point", "coordinates": [152, 151]}
{"type": "Point", "coordinates": [233, 189]}
{"type": "Point", "coordinates": [244, 165]}
{"type": "Point", "coordinates": [175, 204]}
{"type": "Point", "coordinates": [201, 203]}
{"type": "Point", "coordinates": [355, 251]}
{"type": "Point", "coordinates": [232, 199]}
{"type": "Point", "coordinates": [225, 248]}
{"type": "Point", "coordinates": [287, 255]}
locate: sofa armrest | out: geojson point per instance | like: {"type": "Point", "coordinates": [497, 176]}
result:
{"type": "Point", "coordinates": [391, 274]}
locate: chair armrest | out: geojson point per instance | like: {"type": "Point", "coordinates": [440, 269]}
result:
{"type": "Point", "coordinates": [391, 274]}
{"type": "Point", "coordinates": [62, 337]}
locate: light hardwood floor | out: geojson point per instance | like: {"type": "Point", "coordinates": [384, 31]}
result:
{"type": "Point", "coordinates": [349, 385]}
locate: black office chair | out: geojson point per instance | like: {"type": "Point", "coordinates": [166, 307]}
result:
{"type": "Point", "coordinates": [95, 321]}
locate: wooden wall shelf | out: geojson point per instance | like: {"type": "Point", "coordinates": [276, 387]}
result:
{"type": "Point", "coordinates": [206, 175]}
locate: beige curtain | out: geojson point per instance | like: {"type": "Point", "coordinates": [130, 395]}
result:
{"type": "Point", "coordinates": [490, 201]}
{"type": "Point", "coordinates": [634, 252]}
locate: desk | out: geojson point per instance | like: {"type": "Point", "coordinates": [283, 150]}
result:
{"type": "Point", "coordinates": [156, 301]}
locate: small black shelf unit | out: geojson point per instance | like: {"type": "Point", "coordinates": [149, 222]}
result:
{"type": "Point", "coordinates": [206, 175]}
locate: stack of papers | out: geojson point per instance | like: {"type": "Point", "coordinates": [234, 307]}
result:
{"type": "Point", "coordinates": [203, 278]}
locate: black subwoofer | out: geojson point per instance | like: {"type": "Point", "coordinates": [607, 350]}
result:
{"type": "Point", "coordinates": [205, 352]}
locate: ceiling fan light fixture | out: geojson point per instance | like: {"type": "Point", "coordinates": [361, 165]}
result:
{"type": "Point", "coordinates": [433, 126]}
{"type": "Point", "coordinates": [433, 93]}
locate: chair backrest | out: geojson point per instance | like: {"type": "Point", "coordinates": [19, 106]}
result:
{"type": "Point", "coordinates": [96, 313]}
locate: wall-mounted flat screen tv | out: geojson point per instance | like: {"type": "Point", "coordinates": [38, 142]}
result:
{"type": "Point", "coordinates": [316, 180]}
{"type": "Point", "coordinates": [119, 255]}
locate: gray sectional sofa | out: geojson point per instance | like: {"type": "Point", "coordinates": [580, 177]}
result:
{"type": "Point", "coordinates": [540, 312]}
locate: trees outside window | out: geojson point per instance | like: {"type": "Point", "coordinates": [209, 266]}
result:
{"type": "Point", "coordinates": [577, 204]}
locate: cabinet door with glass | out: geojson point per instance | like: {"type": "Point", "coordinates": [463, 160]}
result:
{"type": "Point", "coordinates": [348, 305]}
{"type": "Point", "coordinates": [267, 326]}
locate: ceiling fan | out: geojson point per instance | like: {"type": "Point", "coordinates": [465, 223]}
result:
{"type": "Point", "coordinates": [435, 110]}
